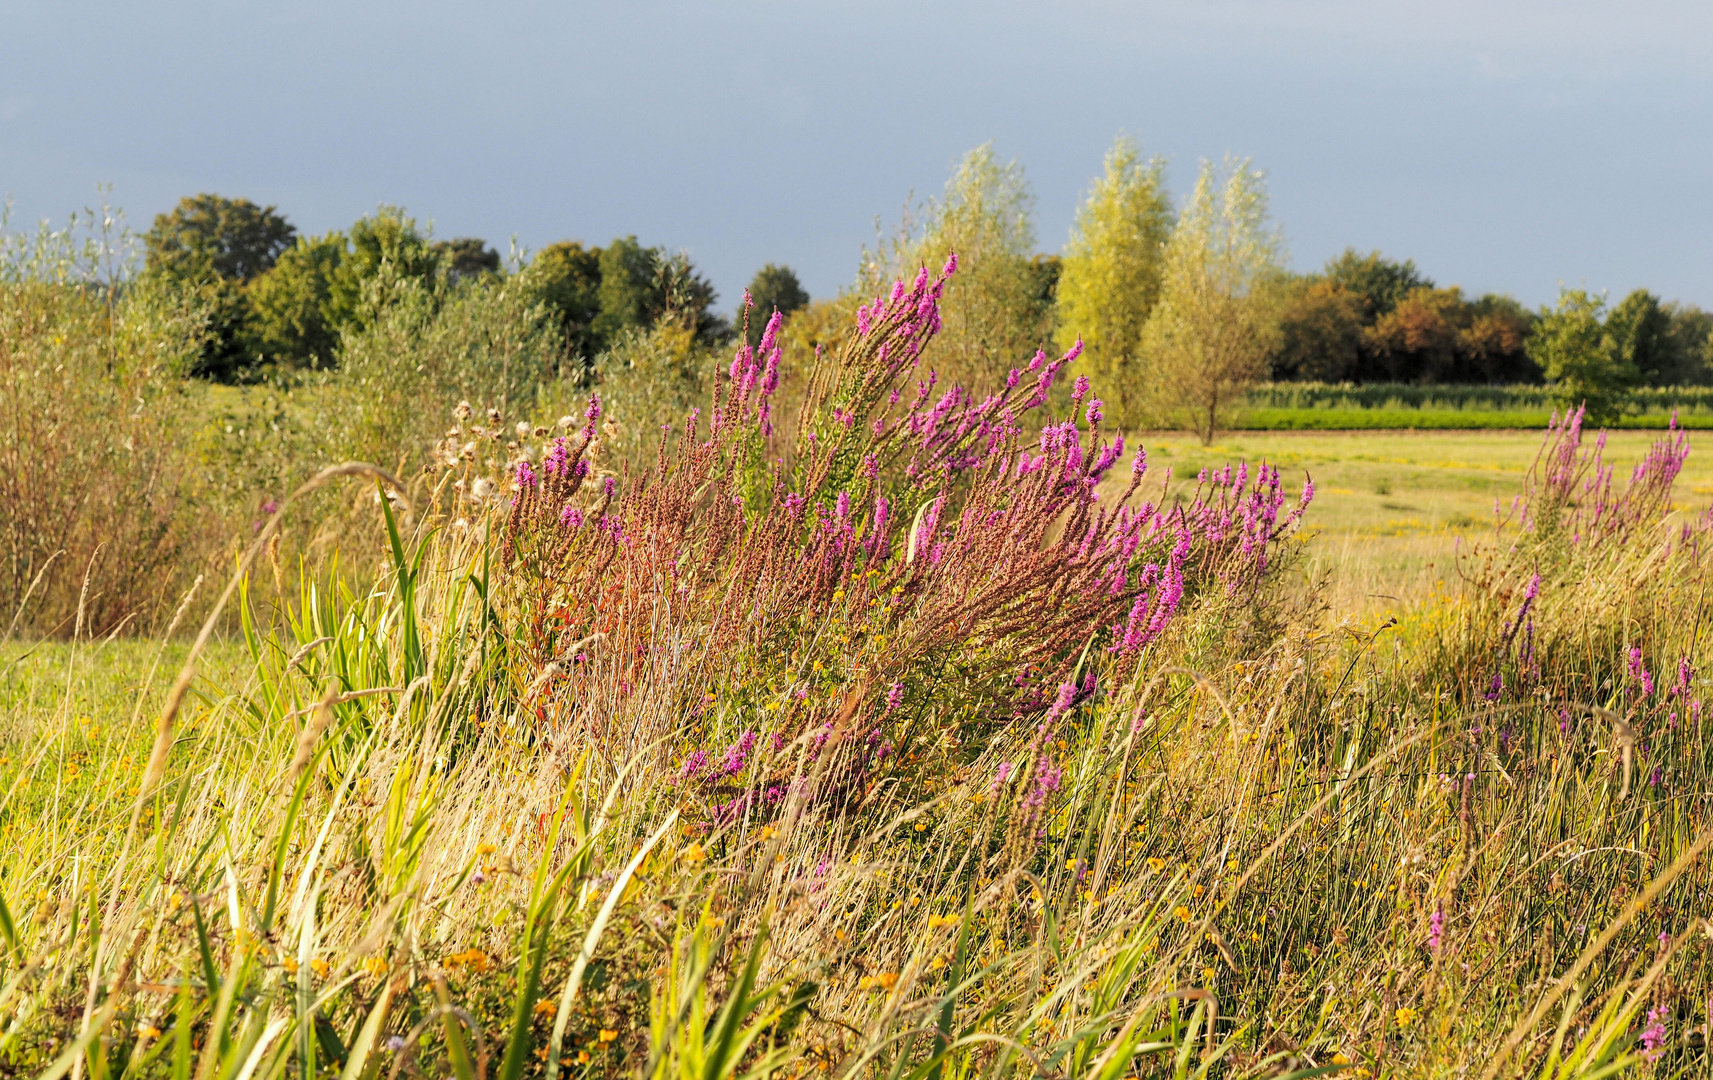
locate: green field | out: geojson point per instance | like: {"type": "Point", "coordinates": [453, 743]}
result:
{"type": "Point", "coordinates": [1391, 506]}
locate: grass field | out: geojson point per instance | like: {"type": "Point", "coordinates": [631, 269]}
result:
{"type": "Point", "coordinates": [1393, 507]}
{"type": "Point", "coordinates": [675, 781]}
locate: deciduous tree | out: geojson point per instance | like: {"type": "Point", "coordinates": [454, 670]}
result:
{"type": "Point", "coordinates": [1111, 277]}
{"type": "Point", "coordinates": [1216, 322]}
{"type": "Point", "coordinates": [1580, 356]}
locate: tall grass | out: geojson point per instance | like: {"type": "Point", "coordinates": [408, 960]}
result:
{"type": "Point", "coordinates": [880, 747]}
{"type": "Point", "coordinates": [97, 508]}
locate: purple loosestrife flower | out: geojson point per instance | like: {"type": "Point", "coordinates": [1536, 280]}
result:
{"type": "Point", "coordinates": [1039, 359]}
{"type": "Point", "coordinates": [1653, 1036]}
{"type": "Point", "coordinates": [1436, 929]}
{"type": "Point", "coordinates": [525, 476]}
{"type": "Point", "coordinates": [951, 265]}
{"type": "Point", "coordinates": [593, 412]}
{"type": "Point", "coordinates": [1048, 777]}
{"type": "Point", "coordinates": [772, 331]}
{"type": "Point", "coordinates": [571, 517]}
{"type": "Point", "coordinates": [556, 458]}
{"type": "Point", "coordinates": [1001, 776]}
{"type": "Point", "coordinates": [1074, 352]}
{"type": "Point", "coordinates": [693, 765]}
{"type": "Point", "coordinates": [1079, 390]}
{"type": "Point", "coordinates": [1094, 412]}
{"type": "Point", "coordinates": [894, 695]}
{"type": "Point", "coordinates": [737, 755]}
{"type": "Point", "coordinates": [1639, 671]}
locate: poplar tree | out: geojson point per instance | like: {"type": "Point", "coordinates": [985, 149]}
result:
{"type": "Point", "coordinates": [1111, 274]}
{"type": "Point", "coordinates": [1210, 336]}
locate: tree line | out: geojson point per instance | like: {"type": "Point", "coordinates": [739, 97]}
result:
{"type": "Point", "coordinates": [272, 298]}
{"type": "Point", "coordinates": [1182, 305]}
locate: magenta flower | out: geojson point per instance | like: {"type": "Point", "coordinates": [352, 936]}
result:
{"type": "Point", "coordinates": [1094, 412]}
{"type": "Point", "coordinates": [525, 475]}
{"type": "Point", "coordinates": [1653, 1036]}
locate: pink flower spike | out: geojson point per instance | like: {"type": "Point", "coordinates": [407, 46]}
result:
{"type": "Point", "coordinates": [1076, 351]}
{"type": "Point", "coordinates": [772, 331]}
{"type": "Point", "coordinates": [1094, 411]}
{"type": "Point", "coordinates": [951, 265]}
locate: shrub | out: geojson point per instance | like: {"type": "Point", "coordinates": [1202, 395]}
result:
{"type": "Point", "coordinates": [100, 519]}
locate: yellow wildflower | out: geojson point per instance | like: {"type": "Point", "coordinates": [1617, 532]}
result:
{"type": "Point", "coordinates": [319, 966]}
{"type": "Point", "coordinates": [608, 1034]}
{"type": "Point", "coordinates": [1406, 1017]}
{"type": "Point", "coordinates": [545, 1008]}
{"type": "Point", "coordinates": [1182, 912]}
{"type": "Point", "coordinates": [1156, 864]}
{"type": "Point", "coordinates": [694, 853]}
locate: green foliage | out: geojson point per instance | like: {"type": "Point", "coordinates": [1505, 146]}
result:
{"type": "Point", "coordinates": [566, 278]}
{"type": "Point", "coordinates": [1112, 274]}
{"type": "Point", "coordinates": [650, 380]}
{"type": "Point", "coordinates": [209, 235]}
{"type": "Point", "coordinates": [641, 286]}
{"type": "Point", "coordinates": [1320, 331]}
{"type": "Point", "coordinates": [466, 257]}
{"type": "Point", "coordinates": [1689, 343]}
{"type": "Point", "coordinates": [1378, 283]}
{"type": "Point", "coordinates": [359, 290]}
{"type": "Point", "coordinates": [1669, 344]}
{"type": "Point", "coordinates": [1215, 325]}
{"type": "Point", "coordinates": [774, 287]}
{"type": "Point", "coordinates": [1582, 357]}
{"type": "Point", "coordinates": [424, 349]}
{"type": "Point", "coordinates": [995, 311]}
{"type": "Point", "coordinates": [295, 321]}
{"type": "Point", "coordinates": [210, 247]}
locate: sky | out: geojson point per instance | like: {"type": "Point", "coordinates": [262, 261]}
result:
{"type": "Point", "coordinates": [1511, 147]}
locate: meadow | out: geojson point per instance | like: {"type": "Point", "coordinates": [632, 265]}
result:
{"type": "Point", "coordinates": [898, 735]}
